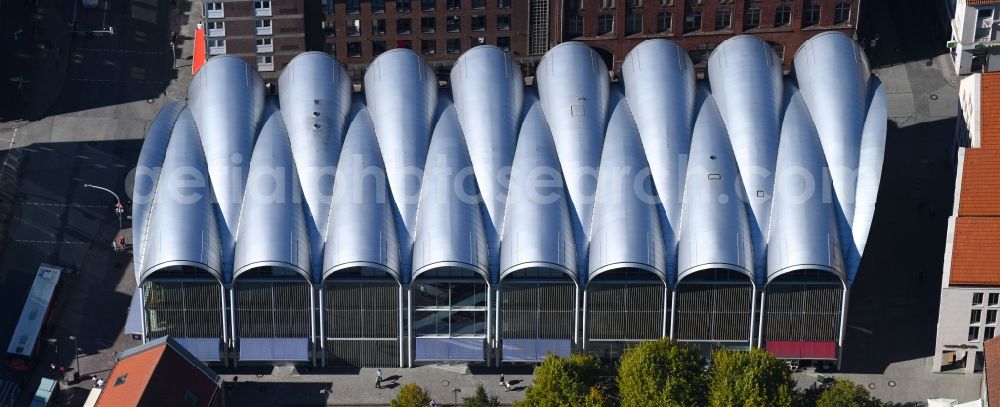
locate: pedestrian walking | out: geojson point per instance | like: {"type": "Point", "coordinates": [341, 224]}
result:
{"type": "Point", "coordinates": [503, 380]}
{"type": "Point", "coordinates": [378, 379]}
{"type": "Point", "coordinates": [93, 379]}
{"type": "Point", "coordinates": [100, 383]}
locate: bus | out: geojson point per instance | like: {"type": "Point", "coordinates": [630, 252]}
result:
{"type": "Point", "coordinates": [24, 345]}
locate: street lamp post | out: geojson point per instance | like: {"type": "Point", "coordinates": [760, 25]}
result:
{"type": "Point", "coordinates": [76, 355]}
{"type": "Point", "coordinates": [119, 209]}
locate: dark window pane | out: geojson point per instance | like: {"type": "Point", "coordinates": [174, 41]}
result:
{"type": "Point", "coordinates": [605, 24]}
{"type": "Point", "coordinates": [428, 47]}
{"type": "Point", "coordinates": [454, 24]}
{"type": "Point", "coordinates": [378, 26]}
{"type": "Point", "coordinates": [503, 3]}
{"type": "Point", "coordinates": [723, 19]}
{"type": "Point", "coordinates": [403, 6]}
{"type": "Point", "coordinates": [428, 5]}
{"type": "Point", "coordinates": [353, 6]}
{"type": "Point", "coordinates": [378, 6]}
{"type": "Point", "coordinates": [503, 43]}
{"type": "Point", "coordinates": [503, 22]}
{"type": "Point", "coordinates": [478, 23]}
{"type": "Point", "coordinates": [454, 4]}
{"type": "Point", "coordinates": [633, 23]}
{"type": "Point", "coordinates": [430, 322]}
{"type": "Point", "coordinates": [378, 47]}
{"type": "Point", "coordinates": [692, 21]}
{"type": "Point", "coordinates": [478, 4]}
{"type": "Point", "coordinates": [354, 49]}
{"type": "Point", "coordinates": [841, 13]}
{"type": "Point", "coordinates": [427, 25]}
{"type": "Point", "coordinates": [782, 15]}
{"type": "Point", "coordinates": [454, 45]}
{"type": "Point", "coordinates": [752, 18]}
{"type": "Point", "coordinates": [468, 323]}
{"type": "Point", "coordinates": [663, 21]}
{"type": "Point", "coordinates": [430, 295]}
{"type": "Point", "coordinates": [403, 26]}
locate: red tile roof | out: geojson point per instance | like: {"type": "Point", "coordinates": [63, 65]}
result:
{"type": "Point", "coordinates": [975, 256]}
{"type": "Point", "coordinates": [980, 183]}
{"type": "Point", "coordinates": [158, 376]}
{"type": "Point", "coordinates": [992, 354]}
{"type": "Point", "coordinates": [981, 2]}
{"type": "Point", "coordinates": [989, 107]}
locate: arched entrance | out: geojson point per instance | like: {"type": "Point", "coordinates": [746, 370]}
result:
{"type": "Point", "coordinates": [623, 306]}
{"type": "Point", "coordinates": [272, 315]}
{"type": "Point", "coordinates": [714, 308]}
{"type": "Point", "coordinates": [803, 315]}
{"type": "Point", "coordinates": [185, 303]}
{"type": "Point", "coordinates": [536, 314]}
{"type": "Point", "coordinates": [449, 309]}
{"type": "Point", "coordinates": [361, 318]}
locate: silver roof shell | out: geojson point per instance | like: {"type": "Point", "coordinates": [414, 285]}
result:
{"type": "Point", "coordinates": [450, 229]}
{"type": "Point", "coordinates": [147, 173]}
{"type": "Point", "coordinates": [746, 79]}
{"type": "Point", "coordinates": [626, 231]}
{"type": "Point", "coordinates": [272, 230]}
{"type": "Point", "coordinates": [573, 87]}
{"type": "Point", "coordinates": [361, 230]}
{"type": "Point", "coordinates": [401, 91]}
{"type": "Point", "coordinates": [869, 174]}
{"type": "Point", "coordinates": [488, 90]}
{"type": "Point", "coordinates": [315, 100]}
{"type": "Point", "coordinates": [226, 98]}
{"type": "Point", "coordinates": [181, 227]}
{"type": "Point", "coordinates": [715, 230]}
{"type": "Point", "coordinates": [660, 86]}
{"type": "Point", "coordinates": [537, 230]}
{"type": "Point", "coordinates": [804, 226]}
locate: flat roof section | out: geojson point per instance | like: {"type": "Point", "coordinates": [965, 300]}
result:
{"type": "Point", "coordinates": [980, 183]}
{"type": "Point", "coordinates": [974, 255]}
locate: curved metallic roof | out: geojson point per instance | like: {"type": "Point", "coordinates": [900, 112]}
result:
{"type": "Point", "coordinates": [660, 87]}
{"type": "Point", "coordinates": [315, 101]}
{"type": "Point", "coordinates": [573, 88]}
{"type": "Point", "coordinates": [401, 91]}
{"type": "Point", "coordinates": [147, 173]}
{"type": "Point", "coordinates": [450, 229]}
{"type": "Point", "coordinates": [273, 231]}
{"type": "Point", "coordinates": [488, 90]}
{"type": "Point", "coordinates": [745, 74]}
{"type": "Point", "coordinates": [869, 173]}
{"type": "Point", "coordinates": [626, 231]}
{"type": "Point", "coordinates": [804, 225]}
{"type": "Point", "coordinates": [715, 230]}
{"type": "Point", "coordinates": [226, 98]}
{"type": "Point", "coordinates": [537, 230]}
{"type": "Point", "coordinates": [176, 232]}
{"type": "Point", "coordinates": [361, 229]}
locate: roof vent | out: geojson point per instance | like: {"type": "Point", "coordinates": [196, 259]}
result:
{"type": "Point", "coordinates": [120, 380]}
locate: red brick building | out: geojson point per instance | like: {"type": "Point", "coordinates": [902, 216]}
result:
{"type": "Point", "coordinates": [267, 34]}
{"type": "Point", "coordinates": [614, 27]}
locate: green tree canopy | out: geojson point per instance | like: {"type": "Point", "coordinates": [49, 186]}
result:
{"type": "Point", "coordinates": [563, 381]}
{"type": "Point", "coordinates": [845, 393]}
{"type": "Point", "coordinates": [411, 395]}
{"type": "Point", "coordinates": [749, 379]}
{"type": "Point", "coordinates": [481, 399]}
{"type": "Point", "coordinates": [661, 373]}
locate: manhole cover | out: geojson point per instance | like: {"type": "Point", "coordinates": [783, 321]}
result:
{"type": "Point", "coordinates": [871, 385]}
{"type": "Point", "coordinates": [934, 97]}
{"type": "Point", "coordinates": [150, 100]}
{"type": "Point", "coordinates": [892, 383]}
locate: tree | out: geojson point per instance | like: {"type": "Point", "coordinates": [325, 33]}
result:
{"type": "Point", "coordinates": [568, 381]}
{"type": "Point", "coordinates": [481, 399]}
{"type": "Point", "coordinates": [845, 393]}
{"type": "Point", "coordinates": [661, 373]}
{"type": "Point", "coordinates": [411, 395]}
{"type": "Point", "coordinates": [749, 379]}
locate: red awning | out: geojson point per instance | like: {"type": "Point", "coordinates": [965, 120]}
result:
{"type": "Point", "coordinates": [199, 49]}
{"type": "Point", "coordinates": [814, 350]}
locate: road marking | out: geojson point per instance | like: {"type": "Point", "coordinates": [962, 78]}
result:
{"type": "Point", "coordinates": [50, 242]}
{"type": "Point", "coordinates": [118, 81]}
{"type": "Point", "coordinates": [122, 51]}
{"type": "Point", "coordinates": [860, 329]}
{"type": "Point", "coordinates": [62, 205]}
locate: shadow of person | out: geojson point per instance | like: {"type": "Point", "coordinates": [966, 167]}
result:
{"type": "Point", "coordinates": [390, 386]}
{"type": "Point", "coordinates": [393, 378]}
{"type": "Point", "coordinates": [518, 388]}
{"type": "Point", "coordinates": [513, 382]}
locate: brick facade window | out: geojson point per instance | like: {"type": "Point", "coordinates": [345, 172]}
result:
{"type": "Point", "coordinates": [664, 21]}
{"type": "Point", "coordinates": [605, 24]}
{"type": "Point", "coordinates": [633, 22]}
{"type": "Point", "coordinates": [782, 15]}
{"type": "Point", "coordinates": [841, 13]}
{"type": "Point", "coordinates": [692, 22]}
{"type": "Point", "coordinates": [751, 18]}
{"type": "Point", "coordinates": [723, 19]}
{"type": "Point", "coordinates": [811, 15]}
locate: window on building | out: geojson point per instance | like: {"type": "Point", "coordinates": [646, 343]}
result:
{"type": "Point", "coordinates": [666, 2]}
{"type": "Point", "coordinates": [453, 24]}
{"type": "Point", "coordinates": [692, 21]}
{"type": "Point", "coordinates": [262, 27]}
{"type": "Point", "coordinates": [265, 63]}
{"type": "Point", "coordinates": [478, 4]}
{"type": "Point", "coordinates": [723, 19]}
{"type": "Point", "coordinates": [633, 3]}
{"type": "Point", "coordinates": [841, 13]}
{"type": "Point", "coordinates": [428, 5]}
{"type": "Point", "coordinates": [607, 3]}
{"type": "Point", "coordinates": [574, 4]}
{"type": "Point", "coordinates": [991, 316]}
{"type": "Point", "coordinates": [216, 47]}
{"type": "Point", "coordinates": [428, 25]}
{"type": "Point", "coordinates": [378, 26]}
{"type": "Point", "coordinates": [378, 47]}
{"type": "Point", "coordinates": [353, 27]}
{"type": "Point", "coordinates": [751, 18]}
{"type": "Point", "coordinates": [352, 6]}
{"type": "Point", "coordinates": [503, 3]}
{"type": "Point", "coordinates": [782, 15]}
{"type": "Point", "coordinates": [216, 29]}
{"type": "Point", "coordinates": [605, 24]}
{"type": "Point", "coordinates": [454, 45]}
{"type": "Point", "coordinates": [633, 22]}
{"type": "Point", "coordinates": [811, 15]}
{"type": "Point", "coordinates": [663, 21]}
{"type": "Point", "coordinates": [994, 299]}
{"type": "Point", "coordinates": [975, 316]}
{"type": "Point", "coordinates": [454, 4]}
{"type": "Point", "coordinates": [378, 6]}
{"type": "Point", "coordinates": [403, 6]}
{"type": "Point", "coordinates": [265, 45]}
{"type": "Point", "coordinates": [354, 50]}
{"type": "Point", "coordinates": [973, 333]}
{"type": "Point", "coordinates": [575, 26]}
{"type": "Point", "coordinates": [503, 43]}
{"type": "Point", "coordinates": [700, 53]}
{"type": "Point", "coordinates": [329, 28]}
{"type": "Point", "coordinates": [214, 10]}
{"type": "Point", "coordinates": [503, 22]}
{"type": "Point", "coordinates": [478, 23]}
{"type": "Point", "coordinates": [262, 8]}
{"type": "Point", "coordinates": [403, 26]}
{"type": "Point", "coordinates": [779, 50]}
{"type": "Point", "coordinates": [331, 49]}
{"type": "Point", "coordinates": [977, 299]}
{"type": "Point", "coordinates": [428, 47]}
{"type": "Point", "coordinates": [989, 332]}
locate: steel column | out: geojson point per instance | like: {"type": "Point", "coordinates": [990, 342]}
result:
{"type": "Point", "coordinates": [232, 316]}
{"type": "Point", "coordinates": [673, 311]}
{"type": "Point", "coordinates": [312, 323]}
{"type": "Point", "coordinates": [225, 331]}
{"type": "Point", "coordinates": [399, 330]}
{"type": "Point", "coordinates": [322, 328]}
{"type": "Point", "coordinates": [760, 328]}
{"type": "Point", "coordinates": [753, 307]}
